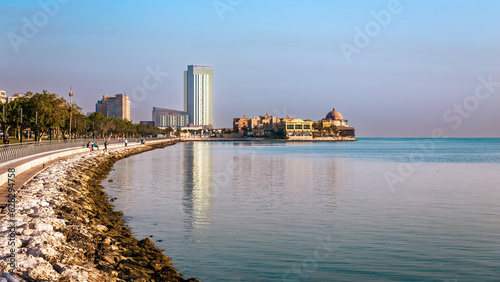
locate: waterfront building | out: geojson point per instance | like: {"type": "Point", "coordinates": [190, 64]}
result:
{"type": "Point", "coordinates": [3, 96]}
{"type": "Point", "coordinates": [14, 97]}
{"type": "Point", "coordinates": [117, 106]}
{"type": "Point", "coordinates": [240, 124]}
{"type": "Point", "coordinates": [169, 118]}
{"type": "Point", "coordinates": [198, 94]}
{"type": "Point", "coordinates": [264, 125]}
{"type": "Point", "coordinates": [296, 127]}
{"type": "Point", "coordinates": [335, 118]}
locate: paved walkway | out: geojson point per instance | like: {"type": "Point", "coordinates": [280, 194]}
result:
{"type": "Point", "coordinates": [24, 177]}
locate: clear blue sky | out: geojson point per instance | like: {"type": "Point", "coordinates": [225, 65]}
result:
{"type": "Point", "coordinates": [279, 57]}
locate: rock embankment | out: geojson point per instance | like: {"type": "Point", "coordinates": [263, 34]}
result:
{"type": "Point", "coordinates": [66, 230]}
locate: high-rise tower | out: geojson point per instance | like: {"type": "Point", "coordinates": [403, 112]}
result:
{"type": "Point", "coordinates": [198, 94]}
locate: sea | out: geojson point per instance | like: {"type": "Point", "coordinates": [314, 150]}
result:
{"type": "Point", "coordinates": [378, 209]}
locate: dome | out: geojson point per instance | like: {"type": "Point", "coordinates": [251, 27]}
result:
{"type": "Point", "coordinates": [334, 115]}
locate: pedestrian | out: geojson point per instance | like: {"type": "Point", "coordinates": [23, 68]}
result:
{"type": "Point", "coordinates": [96, 146]}
{"type": "Point", "coordinates": [126, 142]}
{"type": "Point", "coordinates": [106, 145]}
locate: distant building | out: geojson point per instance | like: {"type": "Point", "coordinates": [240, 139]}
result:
{"type": "Point", "coordinates": [332, 125]}
{"type": "Point", "coordinates": [264, 125]}
{"type": "Point", "coordinates": [117, 106]}
{"type": "Point", "coordinates": [3, 96]}
{"type": "Point", "coordinates": [240, 124]}
{"type": "Point", "coordinates": [296, 127]}
{"type": "Point", "coordinates": [14, 97]}
{"type": "Point", "coordinates": [147, 122]}
{"type": "Point", "coordinates": [198, 94]}
{"type": "Point", "coordinates": [335, 118]}
{"type": "Point", "coordinates": [169, 118]}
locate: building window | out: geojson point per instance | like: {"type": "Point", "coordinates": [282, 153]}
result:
{"type": "Point", "coordinates": [289, 126]}
{"type": "Point", "coordinates": [298, 126]}
{"type": "Point", "coordinates": [307, 126]}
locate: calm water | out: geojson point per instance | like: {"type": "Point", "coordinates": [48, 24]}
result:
{"type": "Point", "coordinates": [373, 210]}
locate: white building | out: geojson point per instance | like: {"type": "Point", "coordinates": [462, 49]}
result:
{"type": "Point", "coordinates": [14, 97]}
{"type": "Point", "coordinates": [169, 118]}
{"type": "Point", "coordinates": [198, 94]}
{"type": "Point", "coordinates": [3, 96]}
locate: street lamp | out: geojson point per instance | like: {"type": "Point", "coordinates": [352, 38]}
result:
{"type": "Point", "coordinates": [70, 108]}
{"type": "Point", "coordinates": [21, 139]}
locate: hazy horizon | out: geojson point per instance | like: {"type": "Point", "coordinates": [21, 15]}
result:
{"type": "Point", "coordinates": [392, 68]}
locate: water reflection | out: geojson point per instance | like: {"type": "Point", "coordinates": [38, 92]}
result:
{"type": "Point", "coordinates": [197, 198]}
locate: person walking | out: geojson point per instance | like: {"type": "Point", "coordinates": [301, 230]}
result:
{"type": "Point", "coordinates": [126, 142]}
{"type": "Point", "coordinates": [106, 145]}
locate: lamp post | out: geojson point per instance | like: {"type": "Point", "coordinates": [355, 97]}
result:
{"type": "Point", "coordinates": [21, 139]}
{"type": "Point", "coordinates": [36, 126]}
{"type": "Point", "coordinates": [70, 108]}
{"type": "Point", "coordinates": [3, 125]}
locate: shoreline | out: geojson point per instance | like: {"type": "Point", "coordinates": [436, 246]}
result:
{"type": "Point", "coordinates": [66, 229]}
{"type": "Point", "coordinates": [262, 139]}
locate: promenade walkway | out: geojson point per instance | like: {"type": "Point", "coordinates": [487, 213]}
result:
{"type": "Point", "coordinates": [29, 166]}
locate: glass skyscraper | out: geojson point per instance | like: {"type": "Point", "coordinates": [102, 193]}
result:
{"type": "Point", "coordinates": [198, 94]}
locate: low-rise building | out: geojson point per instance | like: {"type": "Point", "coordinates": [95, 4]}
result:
{"type": "Point", "coordinates": [242, 124]}
{"type": "Point", "coordinates": [147, 122]}
{"type": "Point", "coordinates": [268, 126]}
{"type": "Point", "coordinates": [164, 118]}
{"type": "Point", "coordinates": [296, 127]}
{"type": "Point", "coordinates": [335, 118]}
{"type": "Point", "coordinates": [14, 97]}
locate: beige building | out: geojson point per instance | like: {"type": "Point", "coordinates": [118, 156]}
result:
{"type": "Point", "coordinates": [332, 124]}
{"type": "Point", "coordinates": [240, 124]}
{"type": "Point", "coordinates": [117, 106]}
{"type": "Point", "coordinates": [335, 118]}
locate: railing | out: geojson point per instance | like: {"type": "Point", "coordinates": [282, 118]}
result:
{"type": "Point", "coordinates": [14, 151]}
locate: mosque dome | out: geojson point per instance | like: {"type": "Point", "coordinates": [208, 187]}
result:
{"type": "Point", "coordinates": [334, 115]}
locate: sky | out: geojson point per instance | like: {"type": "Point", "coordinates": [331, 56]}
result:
{"type": "Point", "coordinates": [392, 68]}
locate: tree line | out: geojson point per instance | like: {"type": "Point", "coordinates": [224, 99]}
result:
{"type": "Point", "coordinates": [46, 115]}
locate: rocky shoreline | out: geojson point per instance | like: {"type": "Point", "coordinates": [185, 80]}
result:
{"type": "Point", "coordinates": [66, 229]}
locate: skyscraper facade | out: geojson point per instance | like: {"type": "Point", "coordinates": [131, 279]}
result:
{"type": "Point", "coordinates": [198, 94]}
{"type": "Point", "coordinates": [117, 106]}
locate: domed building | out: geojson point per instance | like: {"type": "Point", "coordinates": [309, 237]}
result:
{"type": "Point", "coordinates": [335, 118]}
{"type": "Point", "coordinates": [334, 115]}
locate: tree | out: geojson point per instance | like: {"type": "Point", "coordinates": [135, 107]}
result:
{"type": "Point", "coordinates": [334, 130]}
